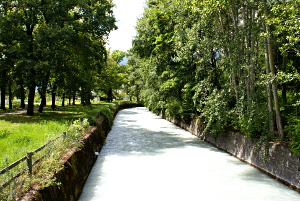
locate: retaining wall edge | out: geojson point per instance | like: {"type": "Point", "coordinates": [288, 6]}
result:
{"type": "Point", "coordinates": [77, 165]}
{"type": "Point", "coordinates": [281, 164]}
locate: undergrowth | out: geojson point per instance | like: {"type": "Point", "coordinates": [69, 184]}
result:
{"type": "Point", "coordinates": [20, 134]}
{"type": "Point", "coordinates": [43, 171]}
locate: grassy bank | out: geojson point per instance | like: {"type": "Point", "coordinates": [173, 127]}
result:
{"type": "Point", "coordinates": [20, 133]}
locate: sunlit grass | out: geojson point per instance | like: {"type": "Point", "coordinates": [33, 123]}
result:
{"type": "Point", "coordinates": [20, 133]}
{"type": "Point", "coordinates": [16, 139]}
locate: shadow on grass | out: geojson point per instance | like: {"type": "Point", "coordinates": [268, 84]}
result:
{"type": "Point", "coordinates": [67, 113]}
{"type": "Point", "coordinates": [39, 117]}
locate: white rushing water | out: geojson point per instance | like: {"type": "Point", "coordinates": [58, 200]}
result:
{"type": "Point", "coordinates": [148, 158]}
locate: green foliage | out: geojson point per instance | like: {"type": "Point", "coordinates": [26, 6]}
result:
{"type": "Point", "coordinates": [118, 55]}
{"type": "Point", "coordinates": [293, 130]}
{"type": "Point", "coordinates": [252, 119]}
{"type": "Point", "coordinates": [77, 128]}
{"type": "Point", "coordinates": [210, 59]}
{"type": "Point", "coordinates": [215, 114]}
{"type": "Point", "coordinates": [173, 109]}
{"type": "Point", "coordinates": [107, 113]}
{"type": "Point", "coordinates": [51, 43]}
{"type": "Point", "coordinates": [113, 75]}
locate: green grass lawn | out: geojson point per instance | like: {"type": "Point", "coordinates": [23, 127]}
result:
{"type": "Point", "coordinates": [20, 134]}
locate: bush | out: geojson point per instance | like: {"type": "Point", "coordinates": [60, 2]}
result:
{"type": "Point", "coordinates": [215, 113]}
{"type": "Point", "coordinates": [251, 119]}
{"type": "Point", "coordinates": [293, 130]}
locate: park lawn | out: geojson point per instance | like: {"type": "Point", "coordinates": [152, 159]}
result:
{"type": "Point", "coordinates": [20, 134]}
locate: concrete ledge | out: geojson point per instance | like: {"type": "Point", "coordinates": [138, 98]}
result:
{"type": "Point", "coordinates": [280, 164]}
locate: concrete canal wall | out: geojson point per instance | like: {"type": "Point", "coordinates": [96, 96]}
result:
{"type": "Point", "coordinates": [280, 164]}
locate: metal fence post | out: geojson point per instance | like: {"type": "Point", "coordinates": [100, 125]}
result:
{"type": "Point", "coordinates": [29, 161]}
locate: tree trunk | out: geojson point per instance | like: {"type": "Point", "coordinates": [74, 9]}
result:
{"type": "Point", "coordinates": [3, 90]}
{"type": "Point", "coordinates": [235, 72]}
{"type": "Point", "coordinates": [43, 91]}
{"type": "Point", "coordinates": [43, 102]}
{"type": "Point", "coordinates": [53, 105]}
{"type": "Point", "coordinates": [269, 90]}
{"type": "Point", "coordinates": [109, 95]}
{"type": "Point", "coordinates": [32, 72]}
{"type": "Point", "coordinates": [252, 55]}
{"type": "Point", "coordinates": [274, 84]}
{"type": "Point", "coordinates": [30, 106]}
{"type": "Point", "coordinates": [248, 72]}
{"type": "Point", "coordinates": [275, 94]}
{"type": "Point", "coordinates": [63, 100]}
{"type": "Point", "coordinates": [82, 98]}
{"type": "Point", "coordinates": [10, 95]}
{"type": "Point", "coordinates": [74, 97]}
{"type": "Point", "coordinates": [22, 91]}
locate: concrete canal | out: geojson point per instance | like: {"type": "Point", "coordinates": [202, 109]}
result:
{"type": "Point", "coordinates": [148, 158]}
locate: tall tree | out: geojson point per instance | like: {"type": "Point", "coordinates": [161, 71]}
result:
{"type": "Point", "coordinates": [113, 75]}
{"type": "Point", "coordinates": [270, 59]}
{"type": "Point", "coordinates": [206, 58]}
{"type": "Point", "coordinates": [51, 33]}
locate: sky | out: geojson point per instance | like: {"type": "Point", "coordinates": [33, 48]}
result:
{"type": "Point", "coordinates": [126, 13]}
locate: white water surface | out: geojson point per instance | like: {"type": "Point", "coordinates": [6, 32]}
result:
{"type": "Point", "coordinates": [148, 158]}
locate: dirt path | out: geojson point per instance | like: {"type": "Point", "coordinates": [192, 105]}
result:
{"type": "Point", "coordinates": [20, 111]}
{"type": "Point", "coordinates": [13, 112]}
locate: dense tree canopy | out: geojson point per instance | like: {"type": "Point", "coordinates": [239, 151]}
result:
{"type": "Point", "coordinates": [53, 46]}
{"type": "Point", "coordinates": [234, 64]}
{"type": "Point", "coordinates": [113, 76]}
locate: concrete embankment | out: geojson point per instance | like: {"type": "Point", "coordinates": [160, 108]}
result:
{"type": "Point", "coordinates": [77, 165]}
{"type": "Point", "coordinates": [280, 163]}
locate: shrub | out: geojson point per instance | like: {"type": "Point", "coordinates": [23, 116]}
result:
{"type": "Point", "coordinates": [215, 113]}
{"type": "Point", "coordinates": [293, 130]}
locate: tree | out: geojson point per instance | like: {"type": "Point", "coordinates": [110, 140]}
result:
{"type": "Point", "coordinates": [271, 66]}
{"type": "Point", "coordinates": [113, 75]}
{"type": "Point", "coordinates": [136, 80]}
{"type": "Point", "coordinates": [51, 35]}
{"type": "Point", "coordinates": [11, 34]}
{"type": "Point", "coordinates": [207, 59]}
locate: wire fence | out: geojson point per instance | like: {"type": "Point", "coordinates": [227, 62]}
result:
{"type": "Point", "coordinates": [13, 171]}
